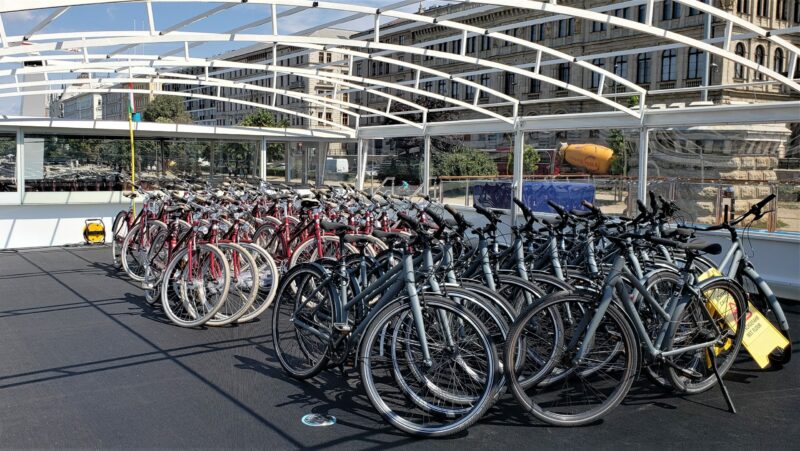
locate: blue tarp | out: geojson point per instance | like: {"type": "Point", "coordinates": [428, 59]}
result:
{"type": "Point", "coordinates": [535, 195]}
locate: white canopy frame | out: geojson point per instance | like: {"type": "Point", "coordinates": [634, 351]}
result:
{"type": "Point", "coordinates": [50, 48]}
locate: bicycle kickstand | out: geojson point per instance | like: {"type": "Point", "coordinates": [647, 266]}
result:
{"type": "Point", "coordinates": [712, 356]}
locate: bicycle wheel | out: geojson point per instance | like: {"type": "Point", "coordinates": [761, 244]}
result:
{"type": "Point", "coordinates": [268, 278]}
{"type": "Point", "coordinates": [309, 251]}
{"type": "Point", "coordinates": [158, 259]}
{"type": "Point", "coordinates": [663, 286]}
{"type": "Point", "coordinates": [243, 286]}
{"type": "Point", "coordinates": [302, 320]}
{"type": "Point", "coordinates": [462, 358]}
{"type": "Point", "coordinates": [119, 230]}
{"type": "Point", "coordinates": [195, 285]}
{"type": "Point", "coordinates": [587, 389]}
{"type": "Point", "coordinates": [722, 307]}
{"type": "Point", "coordinates": [136, 246]}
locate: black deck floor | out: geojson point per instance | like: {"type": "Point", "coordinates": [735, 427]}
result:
{"type": "Point", "coordinates": [86, 363]}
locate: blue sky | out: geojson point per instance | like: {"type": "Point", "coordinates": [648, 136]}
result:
{"type": "Point", "coordinates": [133, 15]}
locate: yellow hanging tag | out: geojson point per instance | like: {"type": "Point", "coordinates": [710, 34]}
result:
{"type": "Point", "coordinates": [760, 336]}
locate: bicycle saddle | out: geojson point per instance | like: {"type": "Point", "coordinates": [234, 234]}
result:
{"type": "Point", "coordinates": [358, 239]}
{"type": "Point", "coordinates": [130, 195]}
{"type": "Point", "coordinates": [309, 203]}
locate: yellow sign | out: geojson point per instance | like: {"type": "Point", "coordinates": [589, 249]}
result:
{"type": "Point", "coordinates": [760, 336]}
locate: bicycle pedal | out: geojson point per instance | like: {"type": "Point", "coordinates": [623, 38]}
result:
{"type": "Point", "coordinates": [343, 328]}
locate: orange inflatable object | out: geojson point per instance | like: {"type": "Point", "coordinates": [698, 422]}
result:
{"type": "Point", "coordinates": [591, 157]}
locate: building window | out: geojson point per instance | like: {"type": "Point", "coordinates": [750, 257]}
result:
{"type": "Point", "coordinates": [469, 89]}
{"type": "Point", "coordinates": [695, 63]}
{"type": "Point", "coordinates": [797, 12]}
{"type": "Point", "coordinates": [486, 83]}
{"type": "Point", "coordinates": [455, 47]}
{"type": "Point", "coordinates": [621, 13]}
{"type": "Point", "coordinates": [743, 6]}
{"type": "Point", "coordinates": [562, 72]}
{"type": "Point", "coordinates": [600, 63]}
{"type": "Point", "coordinates": [535, 32]}
{"type": "Point", "coordinates": [643, 68]}
{"type": "Point", "coordinates": [401, 40]}
{"type": "Point", "coordinates": [641, 15]}
{"type": "Point", "coordinates": [762, 8]}
{"type": "Point", "coordinates": [760, 60]}
{"type": "Point", "coordinates": [486, 43]}
{"type": "Point", "coordinates": [598, 26]}
{"type": "Point", "coordinates": [780, 10]}
{"type": "Point", "coordinates": [738, 69]}
{"type": "Point", "coordinates": [535, 86]}
{"type": "Point", "coordinates": [621, 66]}
{"type": "Point", "coordinates": [471, 44]}
{"type": "Point", "coordinates": [670, 10]}
{"type": "Point", "coordinates": [778, 61]}
{"type": "Point", "coordinates": [428, 86]}
{"type": "Point", "coordinates": [442, 89]}
{"type": "Point", "coordinates": [566, 27]}
{"type": "Point", "coordinates": [454, 91]}
{"type": "Point", "coordinates": [511, 84]}
{"type": "Point", "coordinates": [669, 67]}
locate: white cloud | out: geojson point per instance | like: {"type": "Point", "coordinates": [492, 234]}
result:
{"type": "Point", "coordinates": [25, 16]}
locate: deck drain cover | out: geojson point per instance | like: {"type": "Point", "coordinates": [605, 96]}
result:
{"type": "Point", "coordinates": [317, 420]}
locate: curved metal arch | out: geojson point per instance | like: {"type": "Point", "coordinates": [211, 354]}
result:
{"type": "Point", "coordinates": [644, 28]}
{"type": "Point", "coordinates": [731, 18]}
{"type": "Point", "coordinates": [184, 79]}
{"type": "Point", "coordinates": [296, 41]}
{"type": "Point", "coordinates": [303, 41]}
{"type": "Point", "coordinates": [465, 28]}
{"type": "Point", "coordinates": [147, 63]}
{"type": "Point", "coordinates": [348, 130]}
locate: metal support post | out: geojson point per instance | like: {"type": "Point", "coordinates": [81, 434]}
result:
{"type": "Point", "coordinates": [287, 162]}
{"type": "Point", "coordinates": [518, 179]}
{"type": "Point", "coordinates": [644, 143]}
{"type": "Point", "coordinates": [706, 58]}
{"type": "Point", "coordinates": [263, 161]}
{"type": "Point", "coordinates": [322, 157]}
{"type": "Point", "coordinates": [426, 167]}
{"type": "Point", "coordinates": [361, 163]}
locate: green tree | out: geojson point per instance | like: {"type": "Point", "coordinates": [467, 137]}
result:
{"type": "Point", "coordinates": [616, 141]}
{"type": "Point", "coordinates": [530, 160]}
{"type": "Point", "coordinates": [462, 161]}
{"type": "Point", "coordinates": [168, 110]}
{"type": "Point", "coordinates": [263, 118]}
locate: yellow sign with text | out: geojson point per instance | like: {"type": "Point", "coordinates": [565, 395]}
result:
{"type": "Point", "coordinates": [760, 336]}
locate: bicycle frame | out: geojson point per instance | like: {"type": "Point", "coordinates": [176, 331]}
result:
{"type": "Point", "coordinates": [614, 283]}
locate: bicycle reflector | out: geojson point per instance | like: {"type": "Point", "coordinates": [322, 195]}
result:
{"type": "Point", "coordinates": [94, 232]}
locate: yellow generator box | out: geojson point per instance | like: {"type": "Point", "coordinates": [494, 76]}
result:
{"type": "Point", "coordinates": [94, 232]}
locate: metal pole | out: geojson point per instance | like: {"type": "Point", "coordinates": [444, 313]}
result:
{"type": "Point", "coordinates": [361, 169]}
{"type": "Point", "coordinates": [21, 165]}
{"type": "Point", "coordinates": [518, 178]}
{"type": "Point", "coordinates": [706, 58]}
{"type": "Point", "coordinates": [322, 158]}
{"type": "Point", "coordinates": [426, 167]}
{"type": "Point", "coordinates": [263, 163]}
{"type": "Point", "coordinates": [287, 157]}
{"type": "Point", "coordinates": [644, 143]}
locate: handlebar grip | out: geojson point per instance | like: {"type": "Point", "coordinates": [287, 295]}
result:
{"type": "Point", "coordinates": [653, 203]}
{"type": "Point", "coordinates": [766, 201]}
{"type": "Point", "coordinates": [435, 216]}
{"type": "Point", "coordinates": [490, 215]}
{"type": "Point", "coordinates": [557, 208]}
{"type": "Point", "coordinates": [409, 220]}
{"type": "Point", "coordinates": [590, 206]}
{"type": "Point", "coordinates": [460, 219]}
{"type": "Point", "coordinates": [663, 241]}
{"type": "Point", "coordinates": [641, 205]}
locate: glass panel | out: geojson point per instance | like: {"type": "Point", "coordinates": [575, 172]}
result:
{"type": "Point", "coordinates": [8, 163]}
